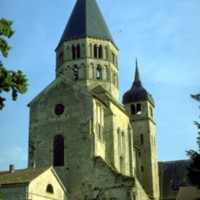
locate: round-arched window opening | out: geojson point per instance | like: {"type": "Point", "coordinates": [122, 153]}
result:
{"type": "Point", "coordinates": [49, 188]}
{"type": "Point", "coordinates": [59, 109]}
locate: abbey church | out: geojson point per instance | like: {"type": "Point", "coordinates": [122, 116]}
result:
{"type": "Point", "coordinates": [98, 147]}
{"type": "Point", "coordinates": [84, 144]}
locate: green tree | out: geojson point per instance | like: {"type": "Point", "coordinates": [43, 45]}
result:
{"type": "Point", "coordinates": [10, 81]}
{"type": "Point", "coordinates": [194, 167]}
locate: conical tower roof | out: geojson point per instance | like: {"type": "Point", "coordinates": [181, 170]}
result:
{"type": "Point", "coordinates": [86, 20]}
{"type": "Point", "coordinates": [137, 92]}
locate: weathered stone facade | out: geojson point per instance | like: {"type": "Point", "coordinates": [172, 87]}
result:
{"type": "Point", "coordinates": [78, 125]}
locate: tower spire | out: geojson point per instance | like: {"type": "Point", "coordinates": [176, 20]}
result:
{"type": "Point", "coordinates": [137, 82]}
{"type": "Point", "coordinates": [137, 75]}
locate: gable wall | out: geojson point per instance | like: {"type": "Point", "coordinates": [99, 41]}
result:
{"type": "Point", "coordinates": [73, 125]}
{"type": "Point", "coordinates": [41, 193]}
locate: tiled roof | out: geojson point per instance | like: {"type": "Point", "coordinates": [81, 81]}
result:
{"type": "Point", "coordinates": [22, 175]}
{"type": "Point", "coordinates": [173, 175]}
{"type": "Point", "coordinates": [86, 20]}
{"type": "Point", "coordinates": [188, 193]}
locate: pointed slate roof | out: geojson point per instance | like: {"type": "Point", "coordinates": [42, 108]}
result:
{"type": "Point", "coordinates": [137, 91]}
{"type": "Point", "coordinates": [86, 20]}
{"type": "Point", "coordinates": [137, 80]}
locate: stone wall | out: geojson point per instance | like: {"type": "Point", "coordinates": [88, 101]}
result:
{"type": "Point", "coordinates": [119, 140]}
{"type": "Point", "coordinates": [14, 191]}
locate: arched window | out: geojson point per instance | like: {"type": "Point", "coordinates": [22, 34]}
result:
{"type": "Point", "coordinates": [113, 58]}
{"type": "Point", "coordinates": [99, 72]}
{"type": "Point", "coordinates": [95, 51]}
{"type": "Point", "coordinates": [73, 52]}
{"type": "Point", "coordinates": [58, 150]}
{"type": "Point", "coordinates": [106, 52]}
{"type": "Point", "coordinates": [100, 52]}
{"type": "Point", "coordinates": [78, 51]}
{"type": "Point", "coordinates": [75, 72]}
{"type": "Point", "coordinates": [139, 109]}
{"type": "Point", "coordinates": [49, 189]}
{"type": "Point", "coordinates": [133, 109]}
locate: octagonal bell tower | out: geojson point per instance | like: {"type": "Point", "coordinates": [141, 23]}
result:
{"type": "Point", "coordinates": [86, 52]}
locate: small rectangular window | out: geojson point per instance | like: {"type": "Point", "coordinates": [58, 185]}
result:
{"type": "Point", "coordinates": [141, 139]}
{"type": "Point", "coordinates": [142, 169]}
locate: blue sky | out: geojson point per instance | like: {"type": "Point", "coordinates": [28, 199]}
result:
{"type": "Point", "coordinates": [164, 35]}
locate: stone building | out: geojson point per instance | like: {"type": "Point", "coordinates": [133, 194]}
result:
{"type": "Point", "coordinates": [173, 178]}
{"type": "Point", "coordinates": [23, 184]}
{"type": "Point", "coordinates": [99, 148]}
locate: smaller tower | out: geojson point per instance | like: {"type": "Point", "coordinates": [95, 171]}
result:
{"type": "Point", "coordinates": [139, 105]}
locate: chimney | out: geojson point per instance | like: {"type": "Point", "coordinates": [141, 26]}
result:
{"type": "Point", "coordinates": [12, 168]}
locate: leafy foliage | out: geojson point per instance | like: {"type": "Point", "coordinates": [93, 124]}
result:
{"type": "Point", "coordinates": [194, 167]}
{"type": "Point", "coordinates": [14, 81]}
